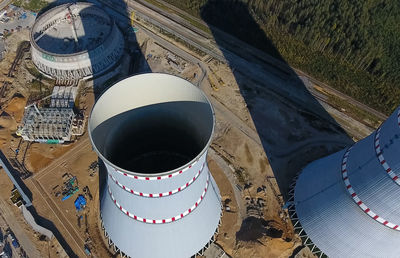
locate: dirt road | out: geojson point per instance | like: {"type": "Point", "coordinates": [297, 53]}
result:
{"type": "Point", "coordinates": [19, 232]}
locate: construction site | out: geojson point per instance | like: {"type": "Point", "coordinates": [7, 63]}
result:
{"type": "Point", "coordinates": [54, 76]}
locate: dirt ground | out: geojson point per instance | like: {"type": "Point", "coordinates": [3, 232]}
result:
{"type": "Point", "coordinates": [162, 60]}
{"type": "Point", "coordinates": [47, 248]}
{"type": "Point", "coordinates": [253, 225]}
{"type": "Point", "coordinates": [248, 159]}
{"type": "Point", "coordinates": [271, 235]}
{"type": "Point", "coordinates": [52, 180]}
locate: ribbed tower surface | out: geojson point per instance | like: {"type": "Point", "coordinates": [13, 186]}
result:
{"type": "Point", "coordinates": [349, 203]}
{"type": "Point", "coordinates": [152, 132]}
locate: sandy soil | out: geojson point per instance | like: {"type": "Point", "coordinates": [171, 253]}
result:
{"type": "Point", "coordinates": [40, 155]}
{"type": "Point", "coordinates": [290, 137]}
{"type": "Point", "coordinates": [47, 248]}
{"type": "Point", "coordinates": [164, 61]}
{"type": "Point", "coordinates": [230, 222]}
{"type": "Point", "coordinates": [263, 231]}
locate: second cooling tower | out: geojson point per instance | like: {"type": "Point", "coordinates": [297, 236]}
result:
{"type": "Point", "coordinates": [152, 132]}
{"type": "Point", "coordinates": [349, 203]}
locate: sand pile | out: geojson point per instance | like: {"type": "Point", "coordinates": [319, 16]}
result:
{"type": "Point", "coordinates": [7, 122]}
{"type": "Point", "coordinates": [7, 125]}
{"type": "Point", "coordinates": [15, 106]}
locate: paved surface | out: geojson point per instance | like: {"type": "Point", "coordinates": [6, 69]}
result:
{"type": "Point", "coordinates": [8, 217]}
{"type": "Point", "coordinates": [4, 3]}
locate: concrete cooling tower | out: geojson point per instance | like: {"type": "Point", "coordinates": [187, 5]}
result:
{"type": "Point", "coordinates": [152, 131]}
{"type": "Point", "coordinates": [75, 41]}
{"type": "Point", "coordinates": [349, 203]}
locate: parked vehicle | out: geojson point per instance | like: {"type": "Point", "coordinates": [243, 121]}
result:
{"type": "Point", "coordinates": [15, 243]}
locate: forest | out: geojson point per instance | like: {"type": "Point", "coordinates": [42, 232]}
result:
{"type": "Point", "coordinates": [354, 46]}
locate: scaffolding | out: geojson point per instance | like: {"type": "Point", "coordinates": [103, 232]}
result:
{"type": "Point", "coordinates": [48, 125]}
{"type": "Point", "coordinates": [63, 96]}
{"type": "Point", "coordinates": [296, 222]}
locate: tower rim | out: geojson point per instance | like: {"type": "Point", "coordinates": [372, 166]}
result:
{"type": "Point", "coordinates": [164, 174]}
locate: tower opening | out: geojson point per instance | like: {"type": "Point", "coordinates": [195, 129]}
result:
{"type": "Point", "coordinates": [160, 134]}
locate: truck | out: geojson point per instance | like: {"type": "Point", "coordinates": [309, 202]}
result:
{"type": "Point", "coordinates": [15, 243]}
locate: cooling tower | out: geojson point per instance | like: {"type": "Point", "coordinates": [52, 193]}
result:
{"type": "Point", "coordinates": [152, 131]}
{"type": "Point", "coordinates": [349, 203]}
{"type": "Point", "coordinates": [74, 41]}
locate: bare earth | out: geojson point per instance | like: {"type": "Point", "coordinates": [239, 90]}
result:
{"type": "Point", "coordinates": [261, 141]}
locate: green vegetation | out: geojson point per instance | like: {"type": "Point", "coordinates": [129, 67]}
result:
{"type": "Point", "coordinates": [192, 21]}
{"type": "Point", "coordinates": [189, 46]}
{"type": "Point", "coordinates": [351, 45]}
{"type": "Point", "coordinates": [354, 112]}
{"type": "Point", "coordinates": [33, 5]}
{"type": "Point", "coordinates": [37, 85]}
{"type": "Point", "coordinates": [199, 52]}
{"type": "Point", "coordinates": [35, 72]}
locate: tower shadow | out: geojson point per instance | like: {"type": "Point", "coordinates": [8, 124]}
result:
{"type": "Point", "coordinates": [294, 127]}
{"type": "Point", "coordinates": [130, 62]}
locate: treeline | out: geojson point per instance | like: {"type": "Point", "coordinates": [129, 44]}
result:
{"type": "Point", "coordinates": [352, 45]}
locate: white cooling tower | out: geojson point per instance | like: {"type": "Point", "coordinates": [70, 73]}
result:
{"type": "Point", "coordinates": [349, 203]}
{"type": "Point", "coordinates": [74, 41]}
{"type": "Point", "coordinates": [152, 132]}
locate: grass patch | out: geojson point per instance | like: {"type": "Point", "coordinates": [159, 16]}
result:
{"type": "Point", "coordinates": [274, 39]}
{"type": "Point", "coordinates": [35, 72]}
{"type": "Point", "coordinates": [354, 112]}
{"type": "Point", "coordinates": [195, 23]}
{"type": "Point", "coordinates": [32, 5]}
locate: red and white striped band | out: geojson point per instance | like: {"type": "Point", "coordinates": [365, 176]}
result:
{"type": "Point", "coordinates": [382, 160]}
{"type": "Point", "coordinates": [357, 199]}
{"type": "Point", "coordinates": [162, 221]}
{"type": "Point", "coordinates": [157, 177]}
{"type": "Point", "coordinates": [155, 195]}
{"type": "Point", "coordinates": [398, 117]}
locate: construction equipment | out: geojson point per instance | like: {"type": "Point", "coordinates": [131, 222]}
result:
{"type": "Point", "coordinates": [219, 79]}
{"type": "Point", "coordinates": [70, 186]}
{"type": "Point", "coordinates": [132, 22]}
{"type": "Point", "coordinates": [212, 83]}
{"type": "Point", "coordinates": [87, 250]}
{"type": "Point", "coordinates": [56, 191]}
{"type": "Point", "coordinates": [87, 192]}
{"type": "Point", "coordinates": [93, 167]}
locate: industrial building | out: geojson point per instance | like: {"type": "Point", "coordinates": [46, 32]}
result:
{"type": "Point", "coordinates": [153, 131]}
{"type": "Point", "coordinates": [47, 125]}
{"type": "Point", "coordinates": [74, 41]}
{"type": "Point", "coordinates": [348, 203]}
{"type": "Point", "coordinates": [56, 123]}
{"type": "Point", "coordinates": [63, 96]}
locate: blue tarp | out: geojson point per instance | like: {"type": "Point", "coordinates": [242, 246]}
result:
{"type": "Point", "coordinates": [80, 202]}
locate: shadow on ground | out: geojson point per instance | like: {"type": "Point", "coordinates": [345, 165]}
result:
{"type": "Point", "coordinates": [253, 229]}
{"type": "Point", "coordinates": [132, 62]}
{"type": "Point", "coordinates": [293, 126]}
{"type": "Point", "coordinates": [50, 226]}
